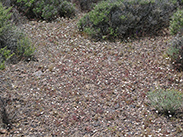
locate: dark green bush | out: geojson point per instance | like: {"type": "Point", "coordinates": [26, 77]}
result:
{"type": "Point", "coordinates": [4, 56]}
{"type": "Point", "coordinates": [180, 2]}
{"type": "Point", "coordinates": [124, 18]}
{"type": "Point", "coordinates": [85, 5]}
{"type": "Point", "coordinates": [4, 26]}
{"type": "Point", "coordinates": [45, 9]}
{"type": "Point", "coordinates": [17, 42]}
{"type": "Point", "coordinates": [6, 3]}
{"type": "Point", "coordinates": [12, 41]}
{"type": "Point", "coordinates": [176, 22]}
{"type": "Point", "coordinates": [4, 23]}
{"type": "Point", "coordinates": [16, 17]}
{"type": "Point", "coordinates": [65, 9]}
{"type": "Point", "coordinates": [175, 52]}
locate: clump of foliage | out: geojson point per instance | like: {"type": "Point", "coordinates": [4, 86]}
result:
{"type": "Point", "coordinates": [86, 5]}
{"type": "Point", "coordinates": [124, 18]}
{"type": "Point", "coordinates": [180, 2]}
{"type": "Point", "coordinates": [16, 17]}
{"type": "Point", "coordinates": [176, 22]}
{"type": "Point", "coordinates": [175, 53]}
{"type": "Point", "coordinates": [4, 56]}
{"type": "Point", "coordinates": [6, 3]}
{"type": "Point", "coordinates": [45, 9]}
{"type": "Point", "coordinates": [166, 101]}
{"type": "Point", "coordinates": [4, 26]}
{"type": "Point", "coordinates": [12, 41]}
{"type": "Point", "coordinates": [4, 17]}
{"type": "Point", "coordinates": [17, 42]}
{"type": "Point", "coordinates": [25, 48]}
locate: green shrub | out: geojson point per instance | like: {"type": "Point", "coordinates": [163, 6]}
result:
{"type": "Point", "coordinates": [25, 48]}
{"type": "Point", "coordinates": [12, 41]}
{"type": "Point", "coordinates": [4, 20]}
{"type": "Point", "coordinates": [6, 3]}
{"type": "Point", "coordinates": [17, 42]}
{"type": "Point", "coordinates": [45, 9]}
{"type": "Point", "coordinates": [175, 53]}
{"type": "Point", "coordinates": [176, 22]}
{"type": "Point", "coordinates": [4, 56]}
{"type": "Point", "coordinates": [124, 18]}
{"type": "Point", "coordinates": [85, 5]}
{"type": "Point", "coordinates": [180, 2]}
{"type": "Point", "coordinates": [49, 12]}
{"type": "Point", "coordinates": [166, 101]}
{"type": "Point", "coordinates": [97, 22]}
{"type": "Point", "coordinates": [65, 9]}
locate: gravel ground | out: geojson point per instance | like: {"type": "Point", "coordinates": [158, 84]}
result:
{"type": "Point", "coordinates": [83, 88]}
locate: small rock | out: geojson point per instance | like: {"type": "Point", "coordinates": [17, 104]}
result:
{"type": "Point", "coordinates": [89, 86]}
{"type": "Point", "coordinates": [116, 106]}
{"type": "Point", "coordinates": [51, 66]}
{"type": "Point", "coordinates": [38, 73]}
{"type": "Point", "coordinates": [3, 131]}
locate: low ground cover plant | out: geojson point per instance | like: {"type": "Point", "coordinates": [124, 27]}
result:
{"type": "Point", "coordinates": [166, 101]}
{"type": "Point", "coordinates": [124, 18]}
